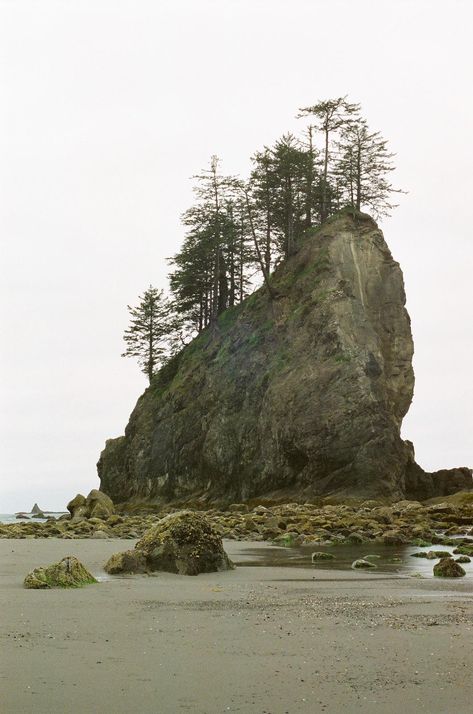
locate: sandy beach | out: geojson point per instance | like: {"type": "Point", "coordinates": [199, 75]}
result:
{"type": "Point", "coordinates": [268, 640]}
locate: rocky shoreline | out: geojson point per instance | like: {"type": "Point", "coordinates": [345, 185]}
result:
{"type": "Point", "coordinates": [274, 639]}
{"type": "Point", "coordinates": [406, 522]}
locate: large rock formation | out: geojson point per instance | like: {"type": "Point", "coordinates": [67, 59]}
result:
{"type": "Point", "coordinates": [294, 397]}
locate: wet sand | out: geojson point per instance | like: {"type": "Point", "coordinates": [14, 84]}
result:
{"type": "Point", "coordinates": [258, 640]}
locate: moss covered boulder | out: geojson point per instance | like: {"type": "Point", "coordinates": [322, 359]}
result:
{"type": "Point", "coordinates": [99, 505]}
{"type": "Point", "coordinates": [182, 542]}
{"type": "Point", "coordinates": [448, 568]}
{"type": "Point", "coordinates": [129, 561]}
{"type": "Point", "coordinates": [68, 573]}
{"type": "Point", "coordinates": [77, 507]}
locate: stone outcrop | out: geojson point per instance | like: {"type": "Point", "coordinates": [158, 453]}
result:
{"type": "Point", "coordinates": [295, 397]}
{"type": "Point", "coordinates": [183, 543]}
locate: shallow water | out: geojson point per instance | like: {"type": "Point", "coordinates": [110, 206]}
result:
{"type": "Point", "coordinates": [11, 517]}
{"type": "Point", "coordinates": [392, 560]}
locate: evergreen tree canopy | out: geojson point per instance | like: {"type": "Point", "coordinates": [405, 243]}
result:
{"type": "Point", "coordinates": [147, 336]}
{"type": "Point", "coordinates": [236, 230]}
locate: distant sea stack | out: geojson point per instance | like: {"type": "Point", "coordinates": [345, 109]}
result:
{"type": "Point", "coordinates": [294, 397]}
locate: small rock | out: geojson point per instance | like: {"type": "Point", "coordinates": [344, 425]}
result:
{"type": "Point", "coordinates": [394, 538]}
{"type": "Point", "coordinates": [100, 534]}
{"type": "Point", "coordinates": [362, 564]}
{"type": "Point", "coordinates": [448, 568]}
{"type": "Point", "coordinates": [320, 555]}
{"type": "Point", "coordinates": [68, 573]}
{"type": "Point", "coordinates": [356, 538]}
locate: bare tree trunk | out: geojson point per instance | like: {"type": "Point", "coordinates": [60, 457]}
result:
{"type": "Point", "coordinates": [323, 211]}
{"type": "Point", "coordinates": [358, 179]}
{"type": "Point", "coordinates": [215, 301]}
{"type": "Point", "coordinates": [201, 312]}
{"type": "Point", "coordinates": [271, 292]}
{"type": "Point", "coordinates": [242, 259]}
{"type": "Point", "coordinates": [150, 349]}
{"type": "Point", "coordinates": [222, 285]}
{"type": "Point", "coordinates": [310, 180]}
{"type": "Point", "coordinates": [231, 251]}
{"type": "Point", "coordinates": [289, 218]}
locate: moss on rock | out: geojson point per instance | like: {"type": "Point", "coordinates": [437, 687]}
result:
{"type": "Point", "coordinates": [68, 573]}
{"type": "Point", "coordinates": [448, 568]}
{"type": "Point", "coordinates": [129, 561]}
{"type": "Point", "coordinates": [182, 542]}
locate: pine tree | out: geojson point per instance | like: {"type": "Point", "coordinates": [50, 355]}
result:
{"type": "Point", "coordinates": [278, 184]}
{"type": "Point", "coordinates": [210, 270]}
{"type": "Point", "coordinates": [262, 196]}
{"type": "Point", "coordinates": [212, 189]}
{"type": "Point", "coordinates": [363, 166]}
{"type": "Point", "coordinates": [332, 115]}
{"type": "Point", "coordinates": [147, 336]}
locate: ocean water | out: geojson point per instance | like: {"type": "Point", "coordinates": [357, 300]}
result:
{"type": "Point", "coordinates": [11, 517]}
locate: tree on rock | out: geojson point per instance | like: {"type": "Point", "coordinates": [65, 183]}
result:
{"type": "Point", "coordinates": [363, 166]}
{"type": "Point", "coordinates": [148, 332]}
{"type": "Point", "coordinates": [331, 116]}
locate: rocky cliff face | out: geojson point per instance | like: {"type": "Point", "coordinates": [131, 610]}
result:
{"type": "Point", "coordinates": [296, 397]}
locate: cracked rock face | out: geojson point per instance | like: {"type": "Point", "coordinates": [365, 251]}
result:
{"type": "Point", "coordinates": [296, 397]}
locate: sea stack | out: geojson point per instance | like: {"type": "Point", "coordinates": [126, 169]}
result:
{"type": "Point", "coordinates": [293, 396]}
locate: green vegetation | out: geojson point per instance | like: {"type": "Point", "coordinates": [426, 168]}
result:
{"type": "Point", "coordinates": [68, 573]}
{"type": "Point", "coordinates": [238, 231]}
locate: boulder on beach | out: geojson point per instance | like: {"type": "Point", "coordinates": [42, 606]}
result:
{"type": "Point", "coordinates": [129, 561]}
{"type": "Point", "coordinates": [182, 542]}
{"type": "Point", "coordinates": [68, 573]}
{"type": "Point", "coordinates": [77, 507]}
{"type": "Point", "coordinates": [96, 505]}
{"type": "Point", "coordinates": [99, 505]}
{"type": "Point", "coordinates": [448, 568]}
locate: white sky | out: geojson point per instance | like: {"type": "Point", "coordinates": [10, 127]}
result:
{"type": "Point", "coordinates": [107, 107]}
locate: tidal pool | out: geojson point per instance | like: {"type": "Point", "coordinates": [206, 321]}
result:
{"type": "Point", "coordinates": [393, 560]}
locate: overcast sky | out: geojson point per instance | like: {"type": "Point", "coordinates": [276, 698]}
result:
{"type": "Point", "coordinates": [107, 109]}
